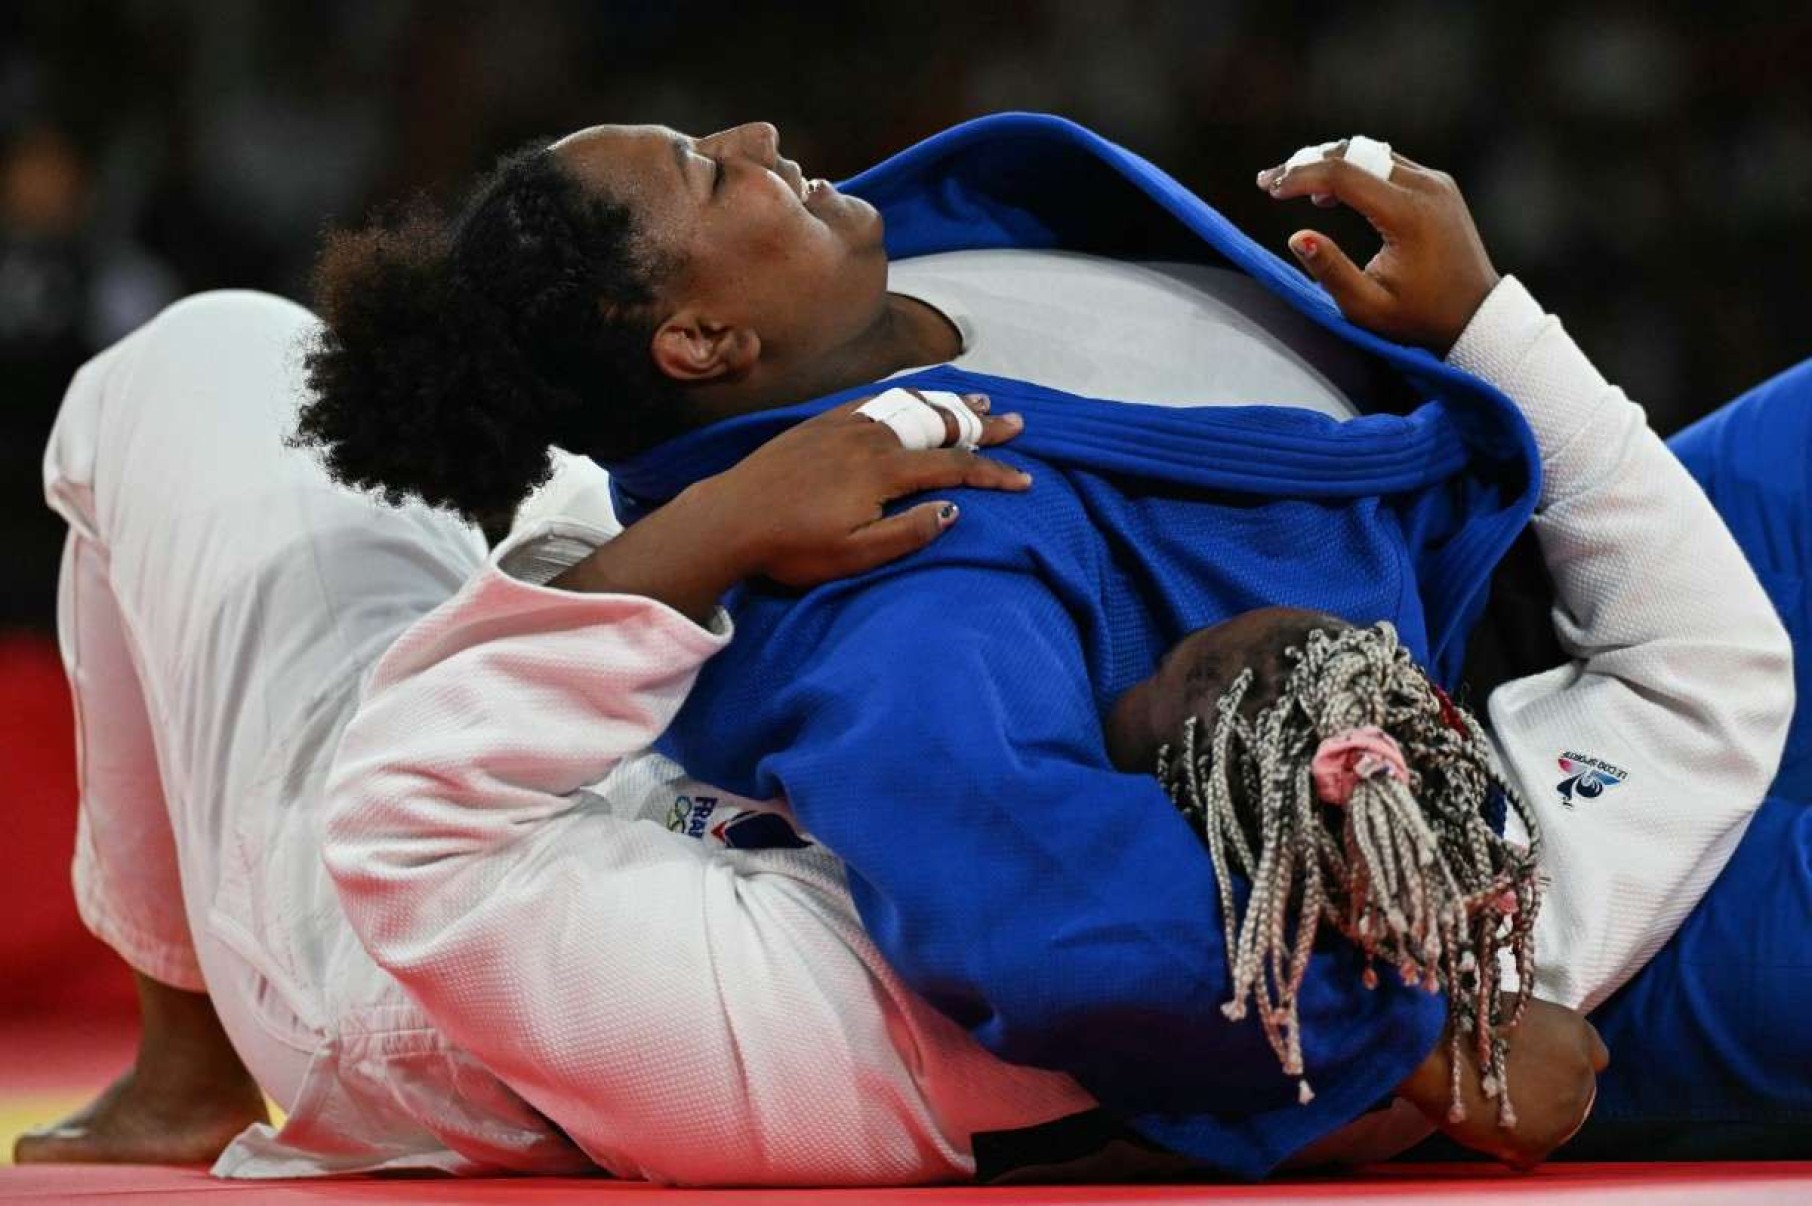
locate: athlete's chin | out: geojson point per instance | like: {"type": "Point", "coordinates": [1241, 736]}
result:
{"type": "Point", "coordinates": [859, 221]}
{"type": "Point", "coordinates": [873, 227]}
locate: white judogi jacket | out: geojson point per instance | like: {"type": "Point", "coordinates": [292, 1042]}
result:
{"type": "Point", "coordinates": [581, 970]}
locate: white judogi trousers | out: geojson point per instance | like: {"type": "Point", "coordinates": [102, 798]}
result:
{"type": "Point", "coordinates": [221, 603]}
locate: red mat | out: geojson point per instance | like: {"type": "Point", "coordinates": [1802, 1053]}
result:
{"type": "Point", "coordinates": [1595, 1184]}
{"type": "Point", "coordinates": [48, 962]}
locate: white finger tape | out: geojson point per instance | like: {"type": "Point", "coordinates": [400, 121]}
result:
{"type": "Point", "coordinates": [1370, 154]}
{"type": "Point", "coordinates": [918, 425]}
{"type": "Point", "coordinates": [1365, 153]}
{"type": "Point", "coordinates": [1309, 154]}
{"type": "Point", "coordinates": [968, 423]}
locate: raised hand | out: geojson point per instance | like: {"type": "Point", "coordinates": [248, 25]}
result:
{"type": "Point", "coordinates": [1431, 274]}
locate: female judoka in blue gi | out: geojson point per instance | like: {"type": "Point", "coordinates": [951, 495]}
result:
{"type": "Point", "coordinates": [732, 286]}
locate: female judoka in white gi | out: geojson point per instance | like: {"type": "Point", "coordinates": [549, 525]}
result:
{"type": "Point", "coordinates": [475, 951]}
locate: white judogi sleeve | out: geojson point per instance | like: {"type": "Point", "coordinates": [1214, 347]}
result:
{"type": "Point", "coordinates": [1644, 758]}
{"type": "Point", "coordinates": [684, 1013]}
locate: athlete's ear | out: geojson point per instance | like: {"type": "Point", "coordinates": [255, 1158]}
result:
{"type": "Point", "coordinates": [692, 348]}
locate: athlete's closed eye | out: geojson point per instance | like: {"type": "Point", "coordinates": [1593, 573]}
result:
{"type": "Point", "coordinates": [717, 170]}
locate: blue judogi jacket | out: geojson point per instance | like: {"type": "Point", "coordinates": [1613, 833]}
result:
{"type": "Point", "coordinates": [937, 722]}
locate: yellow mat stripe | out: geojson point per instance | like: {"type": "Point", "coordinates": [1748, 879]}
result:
{"type": "Point", "coordinates": [21, 1112]}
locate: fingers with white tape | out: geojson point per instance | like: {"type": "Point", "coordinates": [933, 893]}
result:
{"type": "Point", "coordinates": [917, 417]}
{"type": "Point", "coordinates": [918, 425]}
{"type": "Point", "coordinates": [968, 423]}
{"type": "Point", "coordinates": [1366, 154]}
{"type": "Point", "coordinates": [1370, 155]}
{"type": "Point", "coordinates": [1313, 153]}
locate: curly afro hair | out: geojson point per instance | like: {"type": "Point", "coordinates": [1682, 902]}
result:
{"type": "Point", "coordinates": [457, 350]}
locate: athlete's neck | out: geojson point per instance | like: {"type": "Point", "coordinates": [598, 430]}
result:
{"type": "Point", "coordinates": [905, 334]}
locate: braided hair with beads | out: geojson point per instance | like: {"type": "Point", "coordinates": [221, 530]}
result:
{"type": "Point", "coordinates": [1407, 865]}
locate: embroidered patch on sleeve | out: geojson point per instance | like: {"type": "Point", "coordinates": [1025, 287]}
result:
{"type": "Point", "coordinates": [1587, 777]}
{"type": "Point", "coordinates": [690, 814]}
{"type": "Point", "coordinates": [735, 828]}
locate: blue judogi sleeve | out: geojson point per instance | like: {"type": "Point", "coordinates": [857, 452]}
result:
{"type": "Point", "coordinates": [1060, 909]}
{"type": "Point", "coordinates": [1753, 457]}
{"type": "Point", "coordinates": [1713, 1056]}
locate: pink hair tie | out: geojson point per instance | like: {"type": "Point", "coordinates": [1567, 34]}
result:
{"type": "Point", "coordinates": [1345, 758]}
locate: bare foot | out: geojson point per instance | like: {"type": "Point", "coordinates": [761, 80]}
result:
{"type": "Point", "coordinates": [135, 1122]}
{"type": "Point", "coordinates": [183, 1100]}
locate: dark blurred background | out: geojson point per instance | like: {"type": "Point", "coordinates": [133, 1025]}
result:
{"type": "Point", "coordinates": [1648, 170]}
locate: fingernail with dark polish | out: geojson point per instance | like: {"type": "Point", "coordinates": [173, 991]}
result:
{"type": "Point", "coordinates": [947, 512]}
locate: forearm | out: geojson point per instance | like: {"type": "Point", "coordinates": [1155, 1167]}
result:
{"type": "Point", "coordinates": [687, 555]}
{"type": "Point", "coordinates": [1680, 684]}
{"type": "Point", "coordinates": [511, 905]}
{"type": "Point", "coordinates": [488, 714]}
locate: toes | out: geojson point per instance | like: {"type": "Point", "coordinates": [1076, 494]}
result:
{"type": "Point", "coordinates": [53, 1145]}
{"type": "Point", "coordinates": [135, 1139]}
